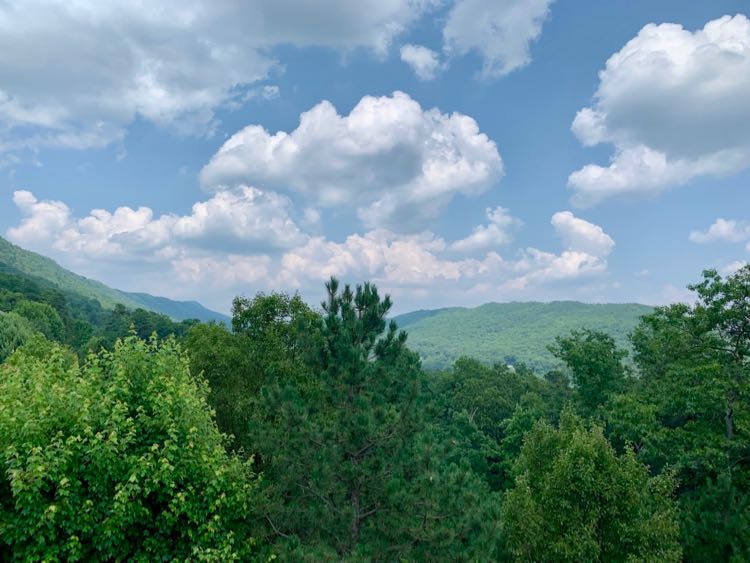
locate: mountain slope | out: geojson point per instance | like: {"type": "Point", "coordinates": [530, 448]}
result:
{"type": "Point", "coordinates": [511, 332]}
{"type": "Point", "coordinates": [38, 266]}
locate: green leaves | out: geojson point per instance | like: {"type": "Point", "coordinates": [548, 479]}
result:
{"type": "Point", "coordinates": [352, 467]}
{"type": "Point", "coordinates": [690, 411]}
{"type": "Point", "coordinates": [14, 332]}
{"type": "Point", "coordinates": [595, 364]}
{"type": "Point", "coordinates": [118, 459]}
{"type": "Point", "coordinates": [576, 500]}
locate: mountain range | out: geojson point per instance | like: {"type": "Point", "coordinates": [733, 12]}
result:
{"type": "Point", "coordinates": [18, 260]}
{"type": "Point", "coordinates": [511, 332]}
{"type": "Point", "coordinates": [495, 332]}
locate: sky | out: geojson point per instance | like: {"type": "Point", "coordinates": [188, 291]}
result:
{"type": "Point", "coordinates": [454, 152]}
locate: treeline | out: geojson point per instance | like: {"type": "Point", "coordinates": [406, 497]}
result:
{"type": "Point", "coordinates": [343, 448]}
{"type": "Point", "coordinates": [29, 305]}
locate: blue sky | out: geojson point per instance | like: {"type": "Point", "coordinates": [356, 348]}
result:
{"type": "Point", "coordinates": [454, 151]}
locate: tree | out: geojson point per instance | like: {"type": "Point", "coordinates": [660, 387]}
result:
{"type": "Point", "coordinates": [723, 310]}
{"type": "Point", "coordinates": [575, 500]}
{"type": "Point", "coordinates": [342, 447]}
{"type": "Point", "coordinates": [266, 345]}
{"type": "Point", "coordinates": [595, 364]}
{"type": "Point", "coordinates": [234, 376]}
{"type": "Point", "coordinates": [488, 395]}
{"type": "Point", "coordinates": [43, 318]}
{"type": "Point", "coordinates": [690, 411]}
{"type": "Point", "coordinates": [117, 459]}
{"type": "Point", "coordinates": [14, 332]}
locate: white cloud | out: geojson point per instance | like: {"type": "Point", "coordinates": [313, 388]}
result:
{"type": "Point", "coordinates": [501, 32]}
{"type": "Point", "coordinates": [248, 217]}
{"type": "Point", "coordinates": [674, 104]}
{"type": "Point", "coordinates": [426, 261]}
{"type": "Point", "coordinates": [397, 163]}
{"type": "Point", "coordinates": [236, 270]}
{"type": "Point", "coordinates": [723, 230]}
{"type": "Point", "coordinates": [245, 240]}
{"type": "Point", "coordinates": [581, 236]}
{"type": "Point", "coordinates": [424, 62]}
{"type": "Point", "coordinates": [498, 232]}
{"type": "Point", "coordinates": [245, 219]}
{"type": "Point", "coordinates": [43, 219]}
{"type": "Point", "coordinates": [75, 74]}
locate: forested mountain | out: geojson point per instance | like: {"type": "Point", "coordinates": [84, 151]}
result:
{"type": "Point", "coordinates": [16, 259]}
{"type": "Point", "coordinates": [32, 306]}
{"type": "Point", "coordinates": [315, 435]}
{"type": "Point", "coordinates": [511, 332]}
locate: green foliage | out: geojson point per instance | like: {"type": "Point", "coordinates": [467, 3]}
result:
{"type": "Point", "coordinates": [363, 454]}
{"type": "Point", "coordinates": [576, 500]}
{"type": "Point", "coordinates": [264, 346]}
{"type": "Point", "coordinates": [691, 412]}
{"type": "Point", "coordinates": [79, 322]}
{"type": "Point", "coordinates": [41, 268]}
{"type": "Point", "coordinates": [515, 333]}
{"type": "Point", "coordinates": [595, 364]}
{"type": "Point", "coordinates": [116, 460]}
{"type": "Point", "coordinates": [479, 402]}
{"type": "Point", "coordinates": [42, 317]}
{"type": "Point", "coordinates": [351, 466]}
{"type": "Point", "coordinates": [14, 332]}
{"type": "Point", "coordinates": [232, 375]}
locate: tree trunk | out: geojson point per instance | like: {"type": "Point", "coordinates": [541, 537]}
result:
{"type": "Point", "coordinates": [729, 417]}
{"type": "Point", "coordinates": [354, 529]}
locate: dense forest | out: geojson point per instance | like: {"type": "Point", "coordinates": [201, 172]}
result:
{"type": "Point", "coordinates": [316, 434]}
{"type": "Point", "coordinates": [512, 332]}
{"type": "Point", "coordinates": [46, 271]}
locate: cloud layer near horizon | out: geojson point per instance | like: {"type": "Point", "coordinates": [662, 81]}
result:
{"type": "Point", "coordinates": [263, 246]}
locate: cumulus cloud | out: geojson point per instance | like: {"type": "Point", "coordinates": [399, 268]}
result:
{"type": "Point", "coordinates": [245, 219]}
{"type": "Point", "coordinates": [246, 240]}
{"type": "Point", "coordinates": [75, 74]}
{"type": "Point", "coordinates": [723, 230]}
{"type": "Point", "coordinates": [424, 62]}
{"type": "Point", "coordinates": [397, 163]}
{"type": "Point", "coordinates": [236, 270]}
{"type": "Point", "coordinates": [579, 235]}
{"type": "Point", "coordinates": [674, 105]}
{"type": "Point", "coordinates": [43, 219]}
{"type": "Point", "coordinates": [426, 260]}
{"type": "Point", "coordinates": [497, 232]}
{"type": "Point", "coordinates": [500, 32]}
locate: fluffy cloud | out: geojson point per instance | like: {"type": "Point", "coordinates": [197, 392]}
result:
{"type": "Point", "coordinates": [674, 104]}
{"type": "Point", "coordinates": [723, 230]}
{"type": "Point", "coordinates": [497, 232]}
{"type": "Point", "coordinates": [236, 270]}
{"type": "Point", "coordinates": [43, 219]}
{"type": "Point", "coordinates": [397, 163]}
{"type": "Point", "coordinates": [247, 219]}
{"type": "Point", "coordinates": [75, 74]}
{"type": "Point", "coordinates": [581, 236]}
{"type": "Point", "coordinates": [245, 240]}
{"type": "Point", "coordinates": [426, 260]}
{"type": "Point", "coordinates": [501, 32]}
{"type": "Point", "coordinates": [425, 62]}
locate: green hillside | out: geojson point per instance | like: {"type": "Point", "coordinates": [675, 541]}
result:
{"type": "Point", "coordinates": [511, 332]}
{"type": "Point", "coordinates": [23, 261]}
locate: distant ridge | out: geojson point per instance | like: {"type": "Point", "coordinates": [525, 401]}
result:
{"type": "Point", "coordinates": [511, 332]}
{"type": "Point", "coordinates": [35, 265]}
